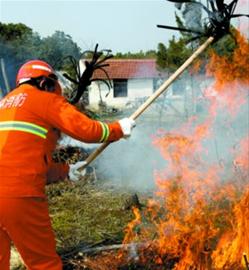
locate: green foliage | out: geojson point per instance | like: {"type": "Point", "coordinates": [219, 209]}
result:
{"type": "Point", "coordinates": [174, 55]}
{"type": "Point", "coordinates": [55, 48]}
{"type": "Point", "coordinates": [83, 212]}
{"type": "Point", "coordinates": [13, 38]}
{"type": "Point", "coordinates": [178, 52]}
{"type": "Point", "coordinates": [10, 32]}
{"type": "Point", "coordinates": [18, 44]}
{"type": "Point", "coordinates": [138, 55]}
{"type": "Point", "coordinates": [162, 57]}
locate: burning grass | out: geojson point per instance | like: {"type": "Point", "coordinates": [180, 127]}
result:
{"type": "Point", "coordinates": [183, 230]}
{"type": "Point", "coordinates": [199, 216]}
{"type": "Point", "coordinates": [206, 222]}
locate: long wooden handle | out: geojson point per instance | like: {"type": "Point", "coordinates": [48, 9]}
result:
{"type": "Point", "coordinates": [155, 95]}
{"type": "Point", "coordinates": [171, 79]}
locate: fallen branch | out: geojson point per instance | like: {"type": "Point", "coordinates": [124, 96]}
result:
{"type": "Point", "coordinates": [131, 246]}
{"type": "Point", "coordinates": [82, 251]}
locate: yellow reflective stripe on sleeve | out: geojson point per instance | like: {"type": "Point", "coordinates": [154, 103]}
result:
{"type": "Point", "coordinates": [25, 127]}
{"type": "Point", "coordinates": [105, 132]}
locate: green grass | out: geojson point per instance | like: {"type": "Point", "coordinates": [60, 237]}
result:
{"type": "Point", "coordinates": [86, 213]}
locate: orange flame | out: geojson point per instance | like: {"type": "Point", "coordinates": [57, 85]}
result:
{"type": "Point", "coordinates": [198, 219]}
{"type": "Point", "coordinates": [231, 69]}
{"type": "Point", "coordinates": [234, 243]}
{"type": "Point", "coordinates": [199, 216]}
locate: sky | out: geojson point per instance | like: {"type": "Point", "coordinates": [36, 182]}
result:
{"type": "Point", "coordinates": [121, 26]}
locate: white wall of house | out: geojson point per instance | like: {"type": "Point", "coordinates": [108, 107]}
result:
{"type": "Point", "coordinates": [137, 88]}
{"type": "Point", "coordinates": [184, 103]}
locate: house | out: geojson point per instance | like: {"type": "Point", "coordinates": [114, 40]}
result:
{"type": "Point", "coordinates": [133, 81]}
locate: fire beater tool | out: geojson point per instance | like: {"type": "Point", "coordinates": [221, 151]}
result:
{"type": "Point", "coordinates": [97, 61]}
{"type": "Point", "coordinates": [219, 15]}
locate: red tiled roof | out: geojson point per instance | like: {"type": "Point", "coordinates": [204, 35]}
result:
{"type": "Point", "coordinates": [129, 68]}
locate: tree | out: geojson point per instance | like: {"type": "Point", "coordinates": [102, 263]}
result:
{"type": "Point", "coordinates": [138, 55]}
{"type": "Point", "coordinates": [13, 47]}
{"type": "Point", "coordinates": [10, 32]}
{"type": "Point", "coordinates": [162, 57]}
{"type": "Point", "coordinates": [173, 56]}
{"type": "Point", "coordinates": [18, 44]}
{"type": "Point", "coordinates": [55, 48]}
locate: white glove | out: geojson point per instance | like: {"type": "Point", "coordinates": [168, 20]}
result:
{"type": "Point", "coordinates": [127, 125]}
{"type": "Point", "coordinates": [74, 172]}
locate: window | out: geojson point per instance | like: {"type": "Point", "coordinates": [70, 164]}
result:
{"type": "Point", "coordinates": [120, 88]}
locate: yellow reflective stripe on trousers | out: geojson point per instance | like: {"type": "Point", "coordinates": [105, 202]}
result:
{"type": "Point", "coordinates": [105, 132]}
{"type": "Point", "coordinates": [25, 127]}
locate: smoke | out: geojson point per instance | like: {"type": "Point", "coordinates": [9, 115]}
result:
{"type": "Point", "coordinates": [131, 162]}
{"type": "Point", "coordinates": [192, 15]}
{"type": "Point", "coordinates": [231, 124]}
{"type": "Point", "coordinates": [9, 67]}
{"type": "Point", "coordinates": [216, 136]}
{"type": "Point", "coordinates": [225, 120]}
{"type": "Point", "coordinates": [242, 23]}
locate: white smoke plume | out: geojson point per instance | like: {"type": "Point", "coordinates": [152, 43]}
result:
{"type": "Point", "coordinates": [132, 163]}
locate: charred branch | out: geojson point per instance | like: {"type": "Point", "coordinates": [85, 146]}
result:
{"type": "Point", "coordinates": [82, 81]}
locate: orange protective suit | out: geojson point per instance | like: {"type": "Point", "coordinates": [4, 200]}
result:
{"type": "Point", "coordinates": [30, 121]}
{"type": "Point", "coordinates": [57, 172]}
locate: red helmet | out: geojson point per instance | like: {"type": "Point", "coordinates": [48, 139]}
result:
{"type": "Point", "coordinates": [35, 69]}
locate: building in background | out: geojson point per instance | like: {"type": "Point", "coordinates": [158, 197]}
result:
{"type": "Point", "coordinates": [134, 80]}
{"type": "Point", "coordinates": [131, 79]}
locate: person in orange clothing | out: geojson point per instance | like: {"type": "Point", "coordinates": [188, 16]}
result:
{"type": "Point", "coordinates": [31, 119]}
{"type": "Point", "coordinates": [57, 172]}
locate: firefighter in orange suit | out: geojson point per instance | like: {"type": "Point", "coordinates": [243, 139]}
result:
{"type": "Point", "coordinates": [31, 118]}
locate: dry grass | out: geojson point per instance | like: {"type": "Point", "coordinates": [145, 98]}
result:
{"type": "Point", "coordinates": [87, 214]}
